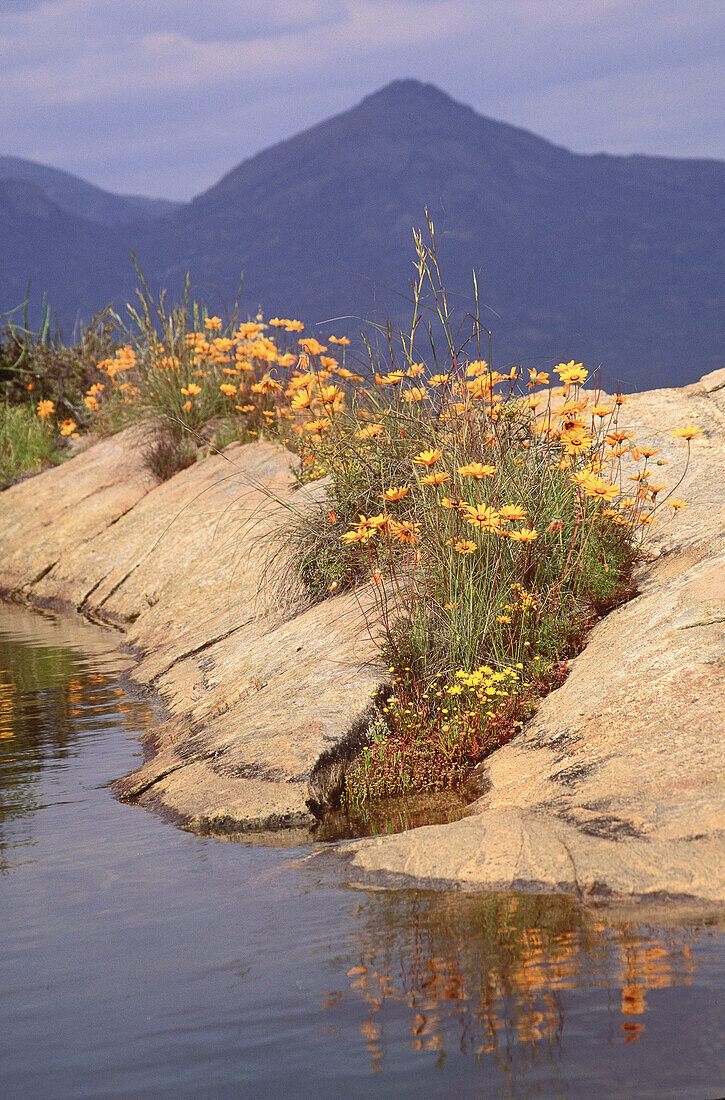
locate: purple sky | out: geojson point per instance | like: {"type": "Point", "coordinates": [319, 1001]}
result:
{"type": "Point", "coordinates": [161, 97]}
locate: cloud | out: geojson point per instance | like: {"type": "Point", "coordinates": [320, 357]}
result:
{"type": "Point", "coordinates": [147, 84]}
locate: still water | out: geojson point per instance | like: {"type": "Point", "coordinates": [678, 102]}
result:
{"type": "Point", "coordinates": [140, 960]}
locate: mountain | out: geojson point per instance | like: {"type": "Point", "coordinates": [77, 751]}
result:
{"type": "Point", "coordinates": [44, 245]}
{"type": "Point", "coordinates": [601, 258]}
{"type": "Point", "coordinates": [76, 196]}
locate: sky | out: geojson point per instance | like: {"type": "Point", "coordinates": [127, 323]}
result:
{"type": "Point", "coordinates": [162, 97]}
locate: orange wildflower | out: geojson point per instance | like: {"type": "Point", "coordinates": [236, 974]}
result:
{"type": "Point", "coordinates": [483, 517]}
{"type": "Point", "coordinates": [404, 531]}
{"type": "Point", "coordinates": [397, 492]}
{"type": "Point", "coordinates": [690, 431]}
{"type": "Point", "coordinates": [428, 458]}
{"type": "Point", "coordinates": [512, 512]}
{"type": "Point", "coordinates": [415, 393]}
{"type": "Point", "coordinates": [476, 470]}
{"type": "Point", "coordinates": [302, 399]}
{"type": "Point", "coordinates": [266, 385]}
{"type": "Point", "coordinates": [312, 346]}
{"type": "Point", "coordinates": [393, 379]}
{"type": "Point", "coordinates": [318, 426]}
{"type": "Point", "coordinates": [571, 372]}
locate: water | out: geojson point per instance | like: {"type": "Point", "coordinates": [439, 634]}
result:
{"type": "Point", "coordinates": [139, 960]}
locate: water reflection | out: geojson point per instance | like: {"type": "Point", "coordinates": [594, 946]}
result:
{"type": "Point", "coordinates": [141, 960]}
{"type": "Point", "coordinates": [485, 976]}
{"type": "Point", "coordinates": [48, 698]}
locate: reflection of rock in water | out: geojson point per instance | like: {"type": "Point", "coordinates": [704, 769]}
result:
{"type": "Point", "coordinates": [392, 815]}
{"type": "Point", "coordinates": [48, 696]}
{"type": "Point", "coordinates": [485, 975]}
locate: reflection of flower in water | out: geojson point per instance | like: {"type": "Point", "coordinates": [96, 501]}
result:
{"type": "Point", "coordinates": [486, 975]}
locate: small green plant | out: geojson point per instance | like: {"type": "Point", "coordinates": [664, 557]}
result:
{"type": "Point", "coordinates": [38, 366]}
{"type": "Point", "coordinates": [27, 443]}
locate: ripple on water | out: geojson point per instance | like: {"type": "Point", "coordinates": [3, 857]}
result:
{"type": "Point", "coordinates": [141, 960]}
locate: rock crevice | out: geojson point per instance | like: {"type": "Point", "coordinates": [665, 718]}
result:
{"type": "Point", "coordinates": [615, 787]}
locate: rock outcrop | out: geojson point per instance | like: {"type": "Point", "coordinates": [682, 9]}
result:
{"type": "Point", "coordinates": [618, 783]}
{"type": "Point", "coordinates": [615, 787]}
{"type": "Point", "coordinates": [254, 693]}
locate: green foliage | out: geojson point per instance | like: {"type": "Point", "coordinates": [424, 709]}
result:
{"type": "Point", "coordinates": [38, 366]}
{"type": "Point", "coordinates": [489, 533]}
{"type": "Point", "coordinates": [26, 443]}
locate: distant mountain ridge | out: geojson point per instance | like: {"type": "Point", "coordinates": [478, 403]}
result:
{"type": "Point", "coordinates": [75, 196]}
{"type": "Point", "coordinates": [602, 258]}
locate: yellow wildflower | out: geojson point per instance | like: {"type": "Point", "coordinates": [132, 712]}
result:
{"type": "Point", "coordinates": [690, 431]}
{"type": "Point", "coordinates": [598, 488]}
{"type": "Point", "coordinates": [572, 372]}
{"type": "Point", "coordinates": [404, 531]}
{"type": "Point", "coordinates": [302, 399]}
{"type": "Point", "coordinates": [476, 470]}
{"type": "Point", "coordinates": [415, 393]}
{"type": "Point", "coordinates": [397, 492]}
{"type": "Point", "coordinates": [428, 458]}
{"type": "Point", "coordinates": [318, 426]}
{"type": "Point", "coordinates": [248, 329]}
{"type": "Point", "coordinates": [312, 346]}
{"type": "Point", "coordinates": [483, 517]}
{"type": "Point", "coordinates": [393, 379]}
{"type": "Point", "coordinates": [370, 431]}
{"type": "Point", "coordinates": [266, 385]}
{"type": "Point", "coordinates": [512, 512]}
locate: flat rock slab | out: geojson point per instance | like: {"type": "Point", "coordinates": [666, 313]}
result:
{"type": "Point", "coordinates": [255, 690]}
{"type": "Point", "coordinates": [617, 785]}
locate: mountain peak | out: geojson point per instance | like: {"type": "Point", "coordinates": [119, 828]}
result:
{"type": "Point", "coordinates": [409, 88]}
